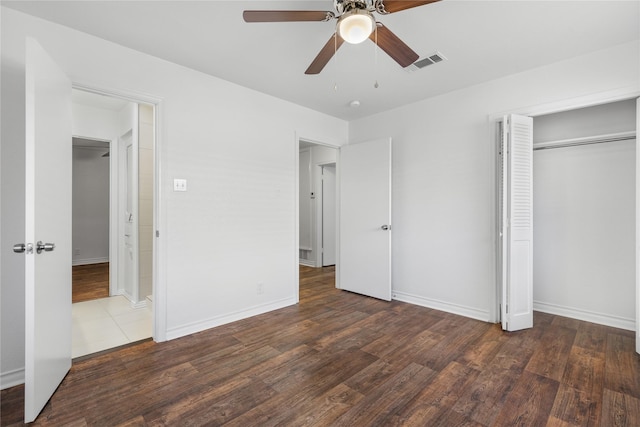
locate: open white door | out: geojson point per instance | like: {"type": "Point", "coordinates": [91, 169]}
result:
{"type": "Point", "coordinates": [328, 215]}
{"type": "Point", "coordinates": [48, 228]}
{"type": "Point", "coordinates": [638, 226]}
{"type": "Point", "coordinates": [365, 218]}
{"type": "Point", "coordinates": [516, 211]}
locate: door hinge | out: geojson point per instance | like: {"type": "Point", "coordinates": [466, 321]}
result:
{"type": "Point", "coordinates": [157, 233]}
{"type": "Point", "coordinates": [506, 308]}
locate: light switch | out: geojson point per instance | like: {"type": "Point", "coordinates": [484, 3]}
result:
{"type": "Point", "coordinates": [179, 184]}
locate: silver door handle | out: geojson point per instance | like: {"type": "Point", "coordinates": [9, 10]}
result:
{"type": "Point", "coordinates": [385, 227]}
{"type": "Point", "coordinates": [20, 248]}
{"type": "Point", "coordinates": [47, 247]}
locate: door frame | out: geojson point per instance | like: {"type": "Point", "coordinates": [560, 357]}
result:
{"type": "Point", "coordinates": [112, 146]}
{"type": "Point", "coordinates": [159, 284]}
{"type": "Point", "coordinates": [296, 204]}
{"type": "Point", "coordinates": [625, 93]}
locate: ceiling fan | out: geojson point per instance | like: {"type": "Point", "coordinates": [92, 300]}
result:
{"type": "Point", "coordinates": [355, 24]}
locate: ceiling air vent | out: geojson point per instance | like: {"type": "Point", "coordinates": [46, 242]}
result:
{"type": "Point", "coordinates": [425, 62]}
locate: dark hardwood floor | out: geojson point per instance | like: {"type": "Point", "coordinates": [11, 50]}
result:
{"type": "Point", "coordinates": [346, 360]}
{"type": "Point", "coordinates": [90, 282]}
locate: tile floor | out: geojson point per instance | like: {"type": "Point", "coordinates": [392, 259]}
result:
{"type": "Point", "coordinates": [107, 322]}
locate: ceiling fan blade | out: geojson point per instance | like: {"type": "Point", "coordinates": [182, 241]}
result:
{"type": "Point", "coordinates": [286, 15]}
{"type": "Point", "coordinates": [391, 6]}
{"type": "Point", "coordinates": [325, 55]}
{"type": "Point", "coordinates": [393, 46]}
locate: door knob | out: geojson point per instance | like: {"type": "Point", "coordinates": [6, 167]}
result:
{"type": "Point", "coordinates": [47, 247]}
{"type": "Point", "coordinates": [20, 248]}
{"type": "Point", "coordinates": [385, 227]}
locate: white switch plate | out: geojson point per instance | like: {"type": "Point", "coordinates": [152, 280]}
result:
{"type": "Point", "coordinates": [179, 185]}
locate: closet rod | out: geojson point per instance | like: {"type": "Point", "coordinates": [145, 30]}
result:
{"type": "Point", "coordinates": [575, 142]}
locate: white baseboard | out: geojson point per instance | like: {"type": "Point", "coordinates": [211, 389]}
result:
{"type": "Point", "coordinates": [588, 316]}
{"type": "Point", "coordinates": [88, 261]}
{"type": "Point", "coordinates": [134, 304]}
{"type": "Point", "coordinates": [307, 263]}
{"type": "Point", "coordinates": [460, 310]}
{"type": "Point", "coordinates": [11, 378]}
{"type": "Point", "coordinates": [192, 328]}
{"type": "Point", "coordinates": [139, 304]}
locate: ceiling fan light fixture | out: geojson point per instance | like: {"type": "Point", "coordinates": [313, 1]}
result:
{"type": "Point", "coordinates": [356, 26]}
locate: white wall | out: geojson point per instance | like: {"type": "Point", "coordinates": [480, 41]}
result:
{"type": "Point", "coordinates": [90, 223]}
{"type": "Point", "coordinates": [235, 227]}
{"type": "Point", "coordinates": [601, 119]}
{"type": "Point", "coordinates": [444, 179]}
{"type": "Point", "coordinates": [92, 122]}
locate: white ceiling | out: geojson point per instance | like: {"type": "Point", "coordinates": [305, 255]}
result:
{"type": "Point", "coordinates": [483, 40]}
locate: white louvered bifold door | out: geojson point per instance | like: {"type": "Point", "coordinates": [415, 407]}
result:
{"type": "Point", "coordinates": [517, 248]}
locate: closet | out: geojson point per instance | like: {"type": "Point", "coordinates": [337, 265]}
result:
{"type": "Point", "coordinates": [584, 174]}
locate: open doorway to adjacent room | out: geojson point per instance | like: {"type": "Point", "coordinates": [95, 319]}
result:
{"type": "Point", "coordinates": [112, 221]}
{"type": "Point", "coordinates": [317, 208]}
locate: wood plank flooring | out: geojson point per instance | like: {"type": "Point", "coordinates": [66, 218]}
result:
{"type": "Point", "coordinates": [90, 282]}
{"type": "Point", "coordinates": [341, 359]}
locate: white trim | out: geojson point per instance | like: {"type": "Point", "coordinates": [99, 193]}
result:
{"type": "Point", "coordinates": [11, 378]}
{"type": "Point", "coordinates": [139, 304]}
{"type": "Point", "coordinates": [315, 173]}
{"type": "Point", "coordinates": [296, 223]}
{"type": "Point", "coordinates": [307, 263]}
{"type": "Point", "coordinates": [128, 95]}
{"type": "Point", "coordinates": [114, 231]}
{"type": "Point", "coordinates": [585, 315]}
{"type": "Point", "coordinates": [88, 261]}
{"type": "Point", "coordinates": [159, 285]}
{"type": "Point", "coordinates": [590, 100]}
{"type": "Point", "coordinates": [192, 328]}
{"type": "Point", "coordinates": [448, 307]}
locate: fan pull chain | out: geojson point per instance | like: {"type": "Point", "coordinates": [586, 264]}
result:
{"type": "Point", "coordinates": [335, 61]}
{"type": "Point", "coordinates": [375, 58]}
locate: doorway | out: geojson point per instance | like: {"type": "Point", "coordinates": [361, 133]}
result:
{"type": "Point", "coordinates": [125, 272]}
{"type": "Point", "coordinates": [90, 219]}
{"type": "Point", "coordinates": [317, 204]}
